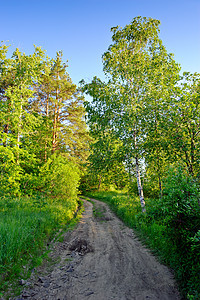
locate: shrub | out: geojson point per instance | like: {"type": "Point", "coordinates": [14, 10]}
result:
{"type": "Point", "coordinates": [180, 206]}
{"type": "Point", "coordinates": [59, 177]}
{"type": "Point", "coordinates": [182, 216]}
{"type": "Point", "coordinates": [10, 172]}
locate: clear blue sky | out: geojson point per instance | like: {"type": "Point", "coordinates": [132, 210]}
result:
{"type": "Point", "coordinates": [81, 28]}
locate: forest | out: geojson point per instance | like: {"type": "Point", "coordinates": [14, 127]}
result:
{"type": "Point", "coordinates": [134, 144]}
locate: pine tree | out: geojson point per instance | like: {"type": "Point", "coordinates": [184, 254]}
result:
{"type": "Point", "coordinates": [60, 104]}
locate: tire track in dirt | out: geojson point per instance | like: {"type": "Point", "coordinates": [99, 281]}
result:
{"type": "Point", "coordinates": [102, 259]}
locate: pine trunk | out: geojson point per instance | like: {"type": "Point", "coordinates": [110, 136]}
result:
{"type": "Point", "coordinates": [55, 125]}
{"type": "Point", "coordinates": [19, 132]}
{"type": "Point", "coordinates": [47, 116]}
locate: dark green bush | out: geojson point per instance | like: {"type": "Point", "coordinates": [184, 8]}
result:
{"type": "Point", "coordinates": [181, 209]}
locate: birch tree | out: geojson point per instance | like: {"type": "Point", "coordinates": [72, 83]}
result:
{"type": "Point", "coordinates": [132, 64]}
{"type": "Point", "coordinates": [18, 125]}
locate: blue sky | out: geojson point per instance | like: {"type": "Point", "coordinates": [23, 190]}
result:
{"type": "Point", "coordinates": [81, 29]}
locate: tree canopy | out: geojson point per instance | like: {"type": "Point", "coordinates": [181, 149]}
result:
{"type": "Point", "coordinates": [42, 117]}
{"type": "Point", "coordinates": [145, 103]}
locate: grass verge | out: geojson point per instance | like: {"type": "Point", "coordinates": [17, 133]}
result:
{"type": "Point", "coordinates": [27, 226]}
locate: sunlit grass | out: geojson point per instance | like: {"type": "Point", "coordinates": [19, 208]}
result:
{"type": "Point", "coordinates": [27, 224]}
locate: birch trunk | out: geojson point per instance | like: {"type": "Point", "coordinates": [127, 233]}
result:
{"type": "Point", "coordinates": [140, 189]}
{"type": "Point", "coordinates": [139, 184]}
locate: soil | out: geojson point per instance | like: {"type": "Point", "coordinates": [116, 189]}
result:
{"type": "Point", "coordinates": [101, 259]}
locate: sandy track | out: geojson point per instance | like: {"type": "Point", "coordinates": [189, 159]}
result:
{"type": "Point", "coordinates": [101, 260]}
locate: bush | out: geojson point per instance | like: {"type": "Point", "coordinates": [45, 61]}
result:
{"type": "Point", "coordinates": [182, 216]}
{"type": "Point", "coordinates": [10, 172]}
{"type": "Point", "coordinates": [59, 177]}
{"type": "Point", "coordinates": [181, 208]}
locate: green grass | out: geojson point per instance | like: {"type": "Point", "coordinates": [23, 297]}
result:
{"type": "Point", "coordinates": [153, 231]}
{"type": "Point", "coordinates": [27, 225]}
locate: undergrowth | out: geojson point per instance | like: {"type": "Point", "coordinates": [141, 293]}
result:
{"type": "Point", "coordinates": [170, 227]}
{"type": "Point", "coordinates": [27, 225]}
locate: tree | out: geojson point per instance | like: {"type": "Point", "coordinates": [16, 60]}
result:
{"type": "Point", "coordinates": [135, 65]}
{"type": "Point", "coordinates": [42, 119]}
{"type": "Point", "coordinates": [17, 124]}
{"type": "Point", "coordinates": [58, 101]}
{"type": "Point", "coordinates": [183, 123]}
{"type": "Point", "coordinates": [18, 77]}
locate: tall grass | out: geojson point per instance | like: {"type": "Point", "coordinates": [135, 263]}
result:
{"type": "Point", "coordinates": [27, 224]}
{"type": "Point", "coordinates": [154, 229]}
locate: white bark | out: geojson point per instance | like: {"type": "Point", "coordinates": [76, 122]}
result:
{"type": "Point", "coordinates": [140, 189]}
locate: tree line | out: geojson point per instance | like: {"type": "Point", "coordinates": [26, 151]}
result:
{"type": "Point", "coordinates": [43, 130]}
{"type": "Point", "coordinates": [143, 119]}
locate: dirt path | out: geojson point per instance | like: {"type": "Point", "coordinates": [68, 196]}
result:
{"type": "Point", "coordinates": [102, 260]}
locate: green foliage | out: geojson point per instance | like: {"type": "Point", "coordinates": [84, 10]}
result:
{"type": "Point", "coordinates": [59, 177]}
{"type": "Point", "coordinates": [27, 224]}
{"type": "Point", "coordinates": [58, 101]}
{"type": "Point", "coordinates": [143, 119]}
{"type": "Point", "coordinates": [43, 145]}
{"type": "Point", "coordinates": [180, 205]}
{"type": "Point", "coordinates": [42, 127]}
{"type": "Point", "coordinates": [170, 230]}
{"type": "Point", "coordinates": [141, 76]}
{"type": "Point", "coordinates": [180, 195]}
{"type": "Point", "coordinates": [11, 173]}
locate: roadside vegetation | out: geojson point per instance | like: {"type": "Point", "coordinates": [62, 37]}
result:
{"type": "Point", "coordinates": [27, 227]}
{"type": "Point", "coordinates": [139, 135]}
{"type": "Point", "coordinates": [171, 231]}
{"type": "Point", "coordinates": [44, 142]}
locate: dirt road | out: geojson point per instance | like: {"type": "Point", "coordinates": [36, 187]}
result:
{"type": "Point", "coordinates": [101, 260]}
